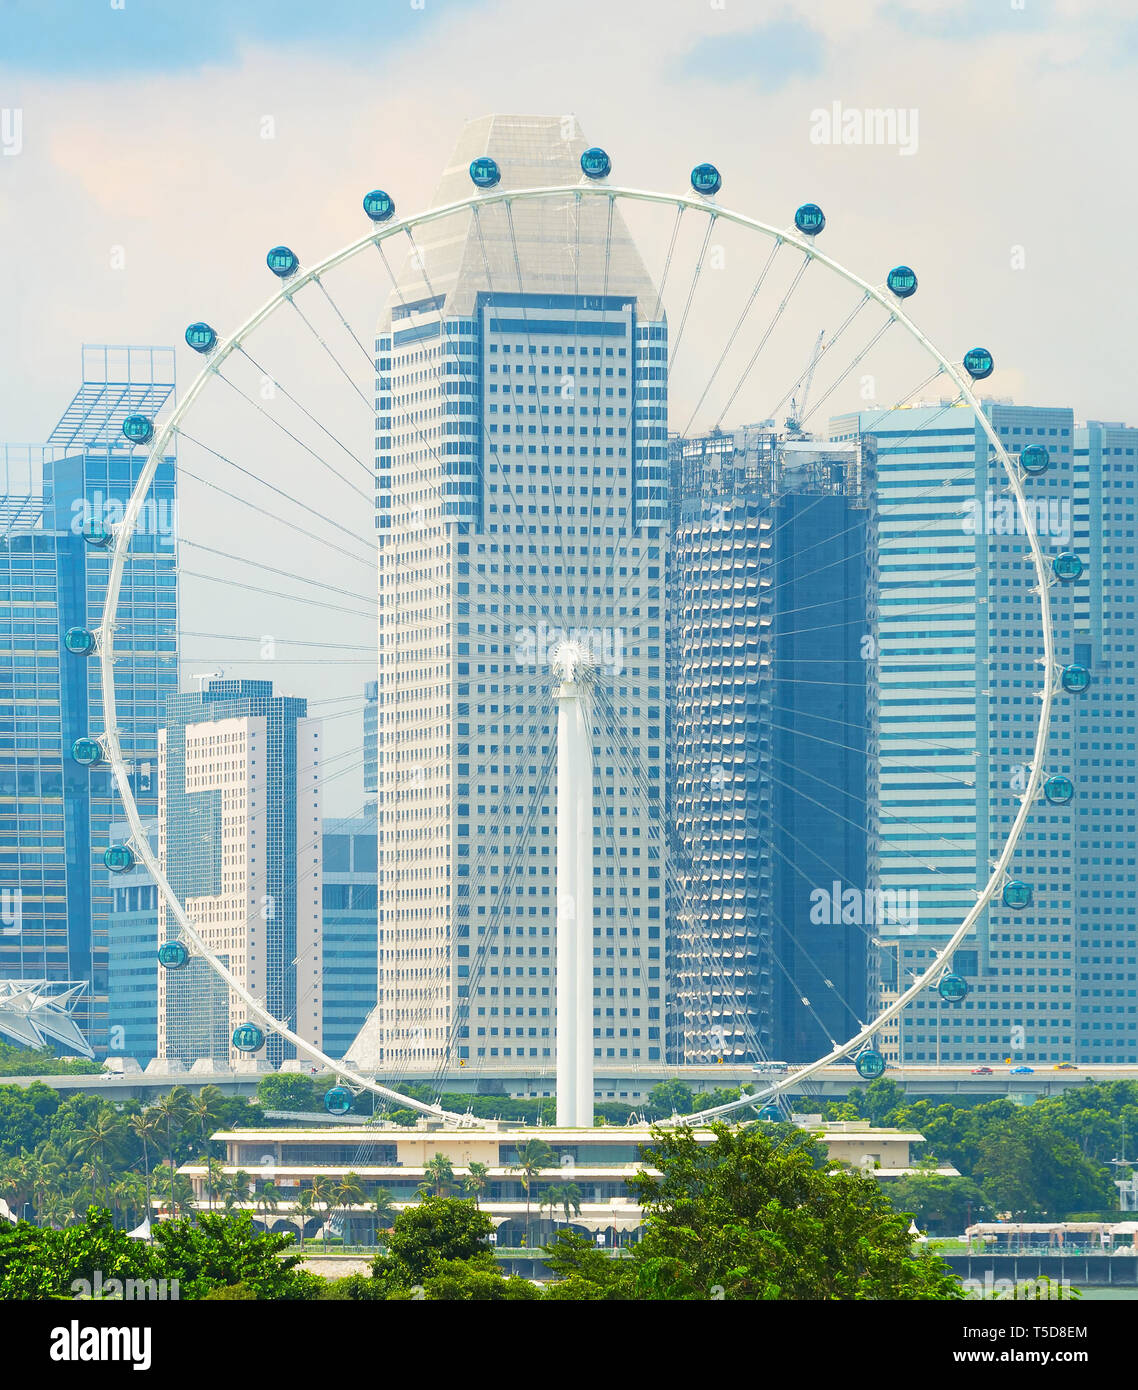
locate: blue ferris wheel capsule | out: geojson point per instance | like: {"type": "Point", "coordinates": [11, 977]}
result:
{"type": "Point", "coordinates": [484, 172]}
{"type": "Point", "coordinates": [1075, 678]}
{"type": "Point", "coordinates": [870, 1064]}
{"type": "Point", "coordinates": [771, 1113]}
{"type": "Point", "coordinates": [138, 429]}
{"type": "Point", "coordinates": [338, 1101]}
{"type": "Point", "coordinates": [119, 858]}
{"type": "Point", "coordinates": [97, 533]}
{"type": "Point", "coordinates": [172, 955]}
{"type": "Point", "coordinates": [1016, 894]}
{"type": "Point", "coordinates": [1035, 459]}
{"type": "Point", "coordinates": [705, 179]}
{"type": "Point", "coordinates": [1059, 790]}
{"type": "Point", "coordinates": [952, 988]}
{"type": "Point", "coordinates": [595, 163]}
{"type": "Point", "coordinates": [810, 219]}
{"type": "Point", "coordinates": [282, 262]}
{"type": "Point", "coordinates": [378, 205]}
{"type": "Point", "coordinates": [247, 1037]}
{"type": "Point", "coordinates": [902, 281]}
{"type": "Point", "coordinates": [979, 363]}
{"type": "Point", "coordinates": [87, 752]}
{"type": "Point", "coordinates": [80, 641]}
{"type": "Point", "coordinates": [201, 337]}
{"type": "Point", "coordinates": [1067, 566]}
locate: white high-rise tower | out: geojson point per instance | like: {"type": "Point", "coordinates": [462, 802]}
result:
{"type": "Point", "coordinates": [522, 468]}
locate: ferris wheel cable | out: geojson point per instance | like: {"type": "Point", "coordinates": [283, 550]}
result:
{"type": "Point", "coordinates": [680, 210]}
{"type": "Point", "coordinates": [734, 333]}
{"type": "Point", "coordinates": [183, 471]}
{"type": "Point", "coordinates": [287, 574]}
{"type": "Point", "coordinates": [861, 356]}
{"type": "Point", "coordinates": [806, 261]}
{"type": "Point", "coordinates": [284, 429]}
{"type": "Point", "coordinates": [825, 348]}
{"type": "Point", "coordinates": [267, 376]}
{"type": "Point", "coordinates": [696, 273]}
{"type": "Point", "coordinates": [369, 401]}
{"type": "Point", "coordinates": [274, 593]}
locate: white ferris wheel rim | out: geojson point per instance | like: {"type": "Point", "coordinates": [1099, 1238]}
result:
{"type": "Point", "coordinates": [124, 531]}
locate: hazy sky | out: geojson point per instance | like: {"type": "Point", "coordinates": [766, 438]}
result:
{"type": "Point", "coordinates": [138, 190]}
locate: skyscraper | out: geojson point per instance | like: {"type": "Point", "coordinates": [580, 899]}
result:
{"type": "Point", "coordinates": [349, 946]}
{"type": "Point", "coordinates": [56, 815]}
{"type": "Point", "coordinates": [240, 840]}
{"type": "Point", "coordinates": [766, 753]}
{"type": "Point", "coordinates": [521, 468]}
{"type": "Point", "coordinates": [954, 708]}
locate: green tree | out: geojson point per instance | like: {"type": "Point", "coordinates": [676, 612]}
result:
{"type": "Point", "coordinates": [202, 1112]}
{"type": "Point", "coordinates": [476, 1180]}
{"type": "Point", "coordinates": [534, 1156]}
{"type": "Point", "coordinates": [349, 1193]}
{"type": "Point", "coordinates": [438, 1176]}
{"type": "Point", "coordinates": [753, 1217]}
{"type": "Point", "coordinates": [668, 1098]}
{"type": "Point", "coordinates": [436, 1231]}
{"type": "Point", "coordinates": [941, 1204]}
{"type": "Point", "coordinates": [218, 1251]}
{"type": "Point", "coordinates": [102, 1137]}
{"type": "Point", "coordinates": [145, 1128]}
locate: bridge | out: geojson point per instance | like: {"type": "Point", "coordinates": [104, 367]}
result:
{"type": "Point", "coordinates": [622, 1085]}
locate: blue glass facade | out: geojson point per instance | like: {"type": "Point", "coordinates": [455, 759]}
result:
{"type": "Point", "coordinates": [56, 817]}
{"type": "Point", "coordinates": [132, 951]}
{"type": "Point", "coordinates": [766, 748]}
{"type": "Point", "coordinates": [350, 944]}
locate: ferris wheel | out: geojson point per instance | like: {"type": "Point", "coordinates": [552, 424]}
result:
{"type": "Point", "coordinates": [284, 441]}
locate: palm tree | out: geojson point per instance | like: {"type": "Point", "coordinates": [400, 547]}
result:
{"type": "Point", "coordinates": [202, 1109]}
{"type": "Point", "coordinates": [145, 1128]}
{"type": "Point", "coordinates": [171, 1110]}
{"type": "Point", "coordinates": [302, 1209]}
{"type": "Point", "coordinates": [567, 1197]}
{"type": "Point", "coordinates": [17, 1183]}
{"type": "Point", "coordinates": [101, 1138]}
{"type": "Point", "coordinates": [236, 1189]}
{"type": "Point", "coordinates": [533, 1156]}
{"type": "Point", "coordinates": [268, 1200]}
{"type": "Point", "coordinates": [438, 1176]}
{"type": "Point", "coordinates": [476, 1181]}
{"type": "Point", "coordinates": [321, 1189]}
{"type": "Point", "coordinates": [348, 1192]}
{"type": "Point", "coordinates": [384, 1206]}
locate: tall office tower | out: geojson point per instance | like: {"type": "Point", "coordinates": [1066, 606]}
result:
{"type": "Point", "coordinates": [240, 842]}
{"type": "Point", "coordinates": [766, 596]}
{"type": "Point", "coordinates": [350, 948]}
{"type": "Point", "coordinates": [522, 478]}
{"type": "Point", "coordinates": [58, 815]}
{"type": "Point", "coordinates": [954, 707]}
{"type": "Point", "coordinates": [1106, 1021]}
{"type": "Point", "coordinates": [132, 951]}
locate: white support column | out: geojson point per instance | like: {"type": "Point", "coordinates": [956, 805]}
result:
{"type": "Point", "coordinates": [574, 889]}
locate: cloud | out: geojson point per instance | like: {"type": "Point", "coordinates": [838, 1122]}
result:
{"type": "Point", "coordinates": [770, 56]}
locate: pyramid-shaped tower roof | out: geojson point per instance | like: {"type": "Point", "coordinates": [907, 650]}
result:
{"type": "Point", "coordinates": [559, 245]}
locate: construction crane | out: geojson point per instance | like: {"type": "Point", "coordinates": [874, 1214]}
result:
{"type": "Point", "coordinates": [802, 390]}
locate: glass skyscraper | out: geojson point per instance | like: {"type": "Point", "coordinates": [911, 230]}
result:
{"type": "Point", "coordinates": [240, 840]}
{"type": "Point", "coordinates": [522, 479]}
{"type": "Point", "coordinates": [350, 947]}
{"type": "Point", "coordinates": [766, 747]}
{"type": "Point", "coordinates": [55, 816]}
{"type": "Point", "coordinates": [954, 708]}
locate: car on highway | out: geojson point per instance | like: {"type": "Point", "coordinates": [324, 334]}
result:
{"type": "Point", "coordinates": [1064, 1066]}
{"type": "Point", "coordinates": [1023, 1071]}
{"type": "Point", "coordinates": [981, 1071]}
